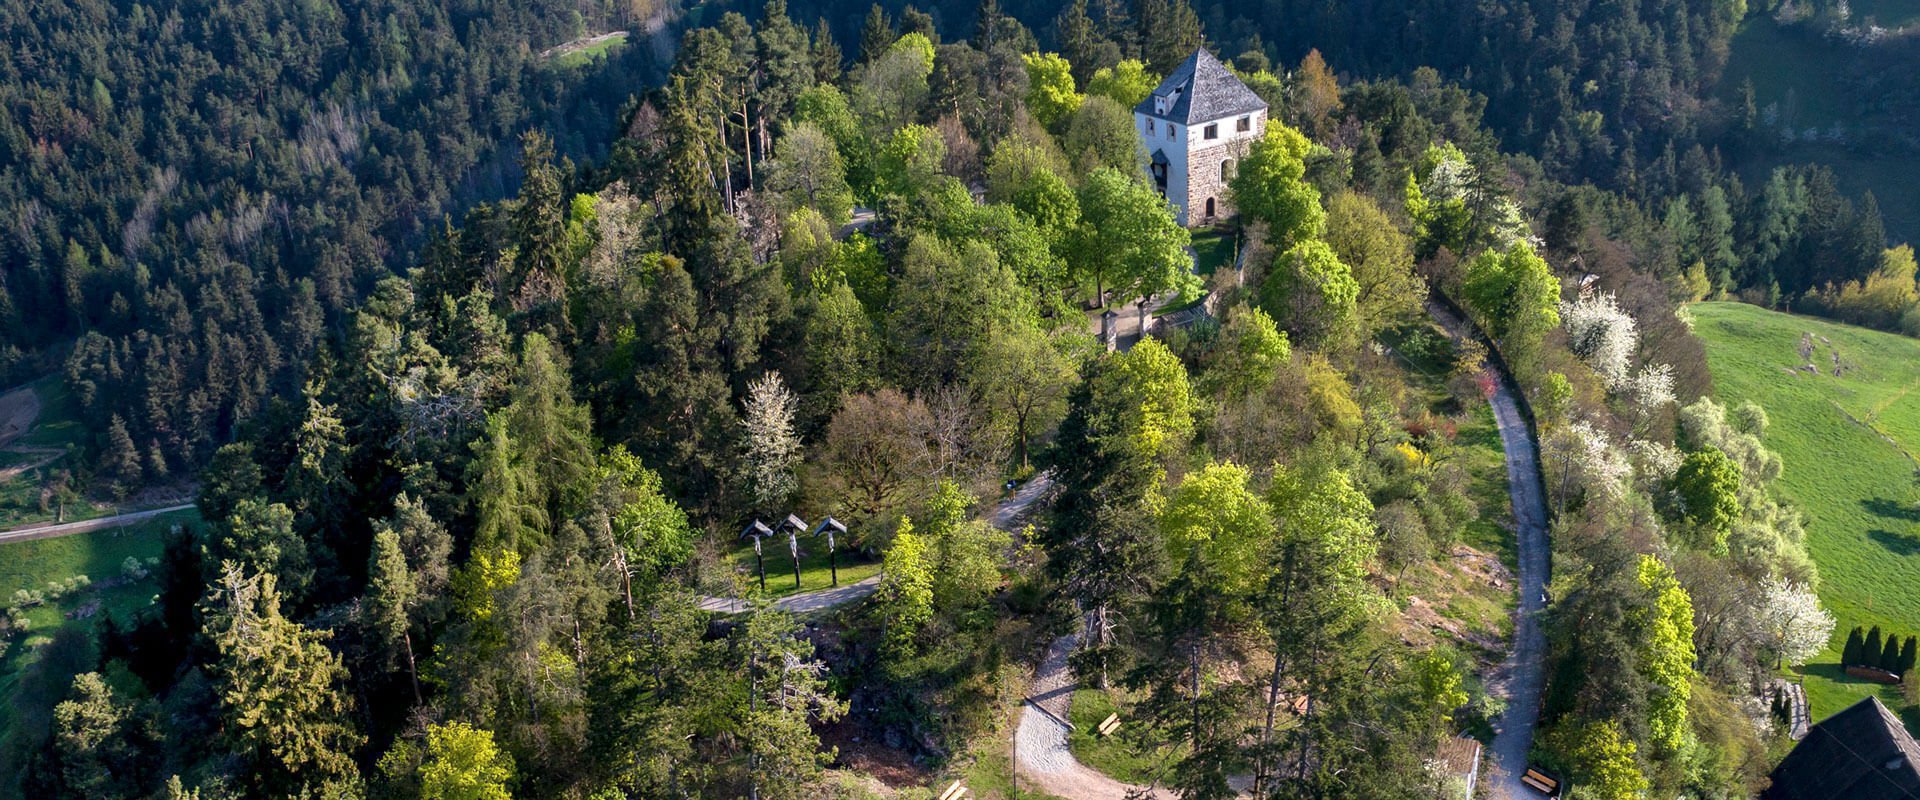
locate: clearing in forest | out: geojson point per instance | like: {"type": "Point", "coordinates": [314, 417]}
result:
{"type": "Point", "coordinates": [1845, 419]}
{"type": "Point", "coordinates": [39, 427]}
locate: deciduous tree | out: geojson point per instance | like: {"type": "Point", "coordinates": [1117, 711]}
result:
{"type": "Point", "coordinates": [1270, 185]}
{"type": "Point", "coordinates": [1128, 240]}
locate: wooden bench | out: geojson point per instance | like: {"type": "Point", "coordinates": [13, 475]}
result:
{"type": "Point", "coordinates": [1108, 725]}
{"type": "Point", "coordinates": [1540, 782]}
{"type": "Point", "coordinates": [955, 791]}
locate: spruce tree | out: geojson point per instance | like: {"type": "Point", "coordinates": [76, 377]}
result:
{"type": "Point", "coordinates": [281, 691]}
{"type": "Point", "coordinates": [1870, 650]}
{"type": "Point", "coordinates": [1890, 655]}
{"type": "Point", "coordinates": [1850, 655]}
{"type": "Point", "coordinates": [876, 34]}
{"type": "Point", "coordinates": [826, 53]}
{"type": "Point", "coordinates": [1907, 656]}
{"type": "Point", "coordinates": [119, 461]}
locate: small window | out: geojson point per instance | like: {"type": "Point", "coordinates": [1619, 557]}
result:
{"type": "Point", "coordinates": [1149, 125]}
{"type": "Point", "coordinates": [1245, 124]}
{"type": "Point", "coordinates": [1226, 170]}
{"type": "Point", "coordinates": [1213, 132]}
{"type": "Point", "coordinates": [1172, 133]}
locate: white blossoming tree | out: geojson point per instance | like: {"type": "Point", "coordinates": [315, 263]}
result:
{"type": "Point", "coordinates": [1581, 457]}
{"type": "Point", "coordinates": [772, 448]}
{"type": "Point", "coordinates": [1602, 335]}
{"type": "Point", "coordinates": [1797, 628]}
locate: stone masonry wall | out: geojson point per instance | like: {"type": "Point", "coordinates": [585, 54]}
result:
{"type": "Point", "coordinates": [1203, 168]}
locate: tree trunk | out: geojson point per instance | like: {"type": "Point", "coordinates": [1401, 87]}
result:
{"type": "Point", "coordinates": [1273, 683]}
{"type": "Point", "coordinates": [413, 670]}
{"type": "Point", "coordinates": [1193, 691]}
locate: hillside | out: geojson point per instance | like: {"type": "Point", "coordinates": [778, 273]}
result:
{"type": "Point", "coordinates": [1848, 443]}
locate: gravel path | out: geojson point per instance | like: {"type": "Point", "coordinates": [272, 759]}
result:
{"type": "Point", "coordinates": [1040, 743]}
{"type": "Point", "coordinates": [802, 603]}
{"type": "Point", "coordinates": [1524, 673]}
{"type": "Point", "coordinates": [49, 530]}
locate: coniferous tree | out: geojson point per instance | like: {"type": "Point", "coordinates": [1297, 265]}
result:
{"type": "Point", "coordinates": [540, 265]}
{"type": "Point", "coordinates": [1907, 656]}
{"type": "Point", "coordinates": [1890, 655]}
{"type": "Point", "coordinates": [120, 462]}
{"type": "Point", "coordinates": [913, 20]}
{"type": "Point", "coordinates": [1870, 648]}
{"type": "Point", "coordinates": [828, 61]}
{"type": "Point", "coordinates": [786, 694]}
{"type": "Point", "coordinates": [1078, 42]}
{"type": "Point", "coordinates": [286, 713]}
{"type": "Point", "coordinates": [1169, 31]}
{"type": "Point", "coordinates": [1850, 654]}
{"type": "Point", "coordinates": [97, 744]}
{"type": "Point", "coordinates": [876, 34]}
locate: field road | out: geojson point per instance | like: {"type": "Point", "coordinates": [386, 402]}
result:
{"type": "Point", "coordinates": [52, 530]}
{"type": "Point", "coordinates": [1524, 673]}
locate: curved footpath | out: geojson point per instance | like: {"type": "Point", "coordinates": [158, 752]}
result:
{"type": "Point", "coordinates": [1040, 743]}
{"type": "Point", "coordinates": [1005, 515]}
{"type": "Point", "coordinates": [1524, 673]}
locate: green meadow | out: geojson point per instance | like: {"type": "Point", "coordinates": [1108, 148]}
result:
{"type": "Point", "coordinates": [99, 555]}
{"type": "Point", "coordinates": [1848, 443]}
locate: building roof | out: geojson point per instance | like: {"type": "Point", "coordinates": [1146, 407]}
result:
{"type": "Point", "coordinates": [1204, 90]}
{"type": "Point", "coordinates": [1461, 756]}
{"type": "Point", "coordinates": [1862, 753]}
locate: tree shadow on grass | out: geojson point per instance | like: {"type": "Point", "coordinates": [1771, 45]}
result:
{"type": "Point", "coordinates": [1833, 672]}
{"type": "Point", "coordinates": [1900, 544]}
{"type": "Point", "coordinates": [1891, 509]}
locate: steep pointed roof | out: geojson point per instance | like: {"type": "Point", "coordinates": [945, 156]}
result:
{"type": "Point", "coordinates": [1202, 90]}
{"type": "Point", "coordinates": [1862, 753]}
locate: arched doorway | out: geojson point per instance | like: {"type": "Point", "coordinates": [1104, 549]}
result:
{"type": "Point", "coordinates": [1209, 208]}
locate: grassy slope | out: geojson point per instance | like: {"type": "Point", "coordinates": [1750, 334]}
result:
{"type": "Point", "coordinates": [1119, 756]}
{"type": "Point", "coordinates": [586, 55]}
{"type": "Point", "coordinates": [1855, 487]}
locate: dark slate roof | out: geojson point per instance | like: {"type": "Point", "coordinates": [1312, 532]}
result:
{"type": "Point", "coordinates": [1862, 753]}
{"type": "Point", "coordinates": [1208, 91]}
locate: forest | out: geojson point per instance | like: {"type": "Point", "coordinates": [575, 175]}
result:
{"type": "Point", "coordinates": [479, 365]}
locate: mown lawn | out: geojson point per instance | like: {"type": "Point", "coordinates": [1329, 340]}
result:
{"type": "Point", "coordinates": [815, 569]}
{"type": "Point", "coordinates": [1845, 442]}
{"type": "Point", "coordinates": [1213, 250]}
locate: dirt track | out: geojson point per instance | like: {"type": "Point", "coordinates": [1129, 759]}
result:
{"type": "Point", "coordinates": [18, 409]}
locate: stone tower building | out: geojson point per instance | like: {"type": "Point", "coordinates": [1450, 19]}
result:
{"type": "Point", "coordinates": [1196, 126]}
